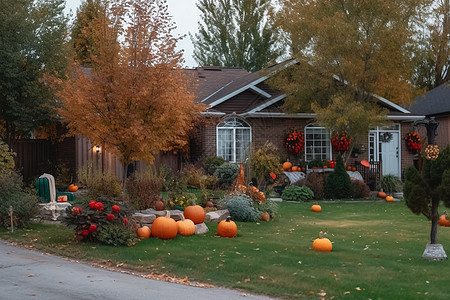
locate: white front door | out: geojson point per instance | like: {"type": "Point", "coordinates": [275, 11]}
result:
{"type": "Point", "coordinates": [390, 154]}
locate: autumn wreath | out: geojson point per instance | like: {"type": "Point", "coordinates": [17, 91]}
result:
{"type": "Point", "coordinates": [412, 140]}
{"type": "Point", "coordinates": [341, 142]}
{"type": "Point", "coordinates": [295, 141]}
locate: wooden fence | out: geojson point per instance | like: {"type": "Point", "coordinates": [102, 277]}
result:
{"type": "Point", "coordinates": [371, 175]}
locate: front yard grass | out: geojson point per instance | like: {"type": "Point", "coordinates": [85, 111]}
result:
{"type": "Point", "coordinates": [377, 250]}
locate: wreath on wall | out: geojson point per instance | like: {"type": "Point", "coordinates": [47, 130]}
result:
{"type": "Point", "coordinates": [412, 140]}
{"type": "Point", "coordinates": [341, 142]}
{"type": "Point", "coordinates": [386, 137]}
{"type": "Point", "coordinates": [295, 141]}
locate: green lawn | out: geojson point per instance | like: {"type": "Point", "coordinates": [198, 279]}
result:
{"type": "Point", "coordinates": [377, 250]}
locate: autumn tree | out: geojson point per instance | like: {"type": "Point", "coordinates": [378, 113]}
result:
{"type": "Point", "coordinates": [32, 35]}
{"type": "Point", "coordinates": [236, 33]}
{"type": "Point", "coordinates": [135, 99]}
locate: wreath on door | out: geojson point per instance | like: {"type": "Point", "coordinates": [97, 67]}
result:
{"type": "Point", "coordinates": [386, 137]}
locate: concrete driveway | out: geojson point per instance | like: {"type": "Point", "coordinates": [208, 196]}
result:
{"type": "Point", "coordinates": [26, 274]}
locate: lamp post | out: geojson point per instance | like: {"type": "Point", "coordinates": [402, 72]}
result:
{"type": "Point", "coordinates": [97, 151]}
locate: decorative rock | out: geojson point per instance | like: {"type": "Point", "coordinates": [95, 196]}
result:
{"type": "Point", "coordinates": [147, 216]}
{"type": "Point", "coordinates": [434, 252]}
{"type": "Point", "coordinates": [143, 218]}
{"type": "Point", "coordinates": [201, 228]}
{"type": "Point", "coordinates": [217, 216]}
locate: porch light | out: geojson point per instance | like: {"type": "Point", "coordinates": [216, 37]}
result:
{"type": "Point", "coordinates": [97, 149]}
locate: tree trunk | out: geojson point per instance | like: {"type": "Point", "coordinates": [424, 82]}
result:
{"type": "Point", "coordinates": [434, 221]}
{"type": "Point", "coordinates": [124, 177]}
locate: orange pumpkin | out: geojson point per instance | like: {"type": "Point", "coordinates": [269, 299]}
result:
{"type": "Point", "coordinates": [265, 217]}
{"type": "Point", "coordinates": [381, 195]}
{"type": "Point", "coordinates": [294, 169]}
{"type": "Point", "coordinates": [389, 198]}
{"type": "Point", "coordinates": [322, 244]}
{"type": "Point", "coordinates": [443, 221]}
{"type": "Point", "coordinates": [227, 228]}
{"type": "Point", "coordinates": [185, 226]}
{"type": "Point", "coordinates": [165, 228]}
{"type": "Point", "coordinates": [196, 213]}
{"type": "Point", "coordinates": [159, 205]}
{"type": "Point", "coordinates": [143, 232]}
{"type": "Point", "coordinates": [303, 169]}
{"type": "Point", "coordinates": [287, 166]}
{"type": "Point", "coordinates": [349, 168]}
{"type": "Point", "coordinates": [353, 169]}
{"type": "Point", "coordinates": [73, 188]}
{"type": "Point", "coordinates": [209, 204]}
{"type": "Point", "coordinates": [316, 208]}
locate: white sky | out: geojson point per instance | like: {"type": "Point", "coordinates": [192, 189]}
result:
{"type": "Point", "coordinates": [185, 15]}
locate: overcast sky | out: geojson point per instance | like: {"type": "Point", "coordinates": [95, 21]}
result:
{"type": "Point", "coordinates": [185, 15]}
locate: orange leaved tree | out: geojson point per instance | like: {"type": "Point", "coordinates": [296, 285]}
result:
{"type": "Point", "coordinates": [134, 99]}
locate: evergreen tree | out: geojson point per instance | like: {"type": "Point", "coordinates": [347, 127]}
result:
{"type": "Point", "coordinates": [236, 33]}
{"type": "Point", "coordinates": [338, 184]}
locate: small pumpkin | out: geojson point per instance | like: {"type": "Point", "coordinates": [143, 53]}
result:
{"type": "Point", "coordinates": [265, 217]}
{"type": "Point", "coordinates": [165, 227]}
{"type": "Point", "coordinates": [353, 169]}
{"type": "Point", "coordinates": [294, 169]}
{"type": "Point", "coordinates": [159, 205]}
{"type": "Point", "coordinates": [322, 244]}
{"type": "Point", "coordinates": [389, 198]}
{"type": "Point", "coordinates": [143, 232]}
{"type": "Point", "coordinates": [381, 195]}
{"type": "Point", "coordinates": [196, 213]}
{"type": "Point", "coordinates": [209, 203]}
{"type": "Point", "coordinates": [443, 220]}
{"type": "Point", "coordinates": [185, 226]}
{"type": "Point", "coordinates": [316, 208]}
{"type": "Point", "coordinates": [227, 228]}
{"type": "Point", "coordinates": [73, 188]}
{"type": "Point", "coordinates": [287, 166]}
{"type": "Point", "coordinates": [349, 168]}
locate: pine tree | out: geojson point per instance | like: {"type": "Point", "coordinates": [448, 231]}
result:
{"type": "Point", "coordinates": [338, 184]}
{"type": "Point", "coordinates": [236, 33]}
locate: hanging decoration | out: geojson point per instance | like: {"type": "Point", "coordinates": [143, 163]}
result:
{"type": "Point", "coordinates": [341, 142]}
{"type": "Point", "coordinates": [295, 141]}
{"type": "Point", "coordinates": [412, 140]}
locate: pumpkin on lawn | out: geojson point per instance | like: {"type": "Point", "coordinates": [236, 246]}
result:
{"type": "Point", "coordinates": [186, 226]}
{"type": "Point", "coordinates": [143, 232]}
{"type": "Point", "coordinates": [196, 213]}
{"type": "Point", "coordinates": [443, 220]}
{"type": "Point", "coordinates": [165, 227]}
{"type": "Point", "coordinates": [389, 198]}
{"type": "Point", "coordinates": [316, 208]}
{"type": "Point", "coordinates": [265, 217]}
{"type": "Point", "coordinates": [322, 244]}
{"type": "Point", "coordinates": [227, 228]}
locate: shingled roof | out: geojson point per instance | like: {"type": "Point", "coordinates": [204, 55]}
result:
{"type": "Point", "coordinates": [433, 102]}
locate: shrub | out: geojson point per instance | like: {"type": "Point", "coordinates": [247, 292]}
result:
{"type": "Point", "coordinates": [90, 219]}
{"type": "Point", "coordinates": [12, 194]}
{"type": "Point", "coordinates": [241, 208]}
{"type": "Point", "coordinates": [166, 175]}
{"type": "Point", "coordinates": [7, 164]}
{"type": "Point", "coordinates": [270, 207]}
{"type": "Point", "coordinates": [99, 184]}
{"type": "Point", "coordinates": [264, 161]}
{"type": "Point", "coordinates": [297, 193]}
{"type": "Point", "coordinates": [390, 184]}
{"type": "Point", "coordinates": [338, 184]}
{"type": "Point", "coordinates": [315, 181]}
{"type": "Point", "coordinates": [226, 173]}
{"type": "Point", "coordinates": [208, 182]}
{"type": "Point", "coordinates": [144, 189]}
{"type": "Point", "coordinates": [192, 175]}
{"type": "Point", "coordinates": [181, 200]}
{"type": "Point", "coordinates": [212, 163]}
{"type": "Point", "coordinates": [360, 189]}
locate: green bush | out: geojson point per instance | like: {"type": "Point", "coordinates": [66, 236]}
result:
{"type": "Point", "coordinates": [117, 235]}
{"type": "Point", "coordinates": [241, 208]}
{"type": "Point", "coordinates": [12, 194]}
{"type": "Point", "coordinates": [270, 207]}
{"type": "Point", "coordinates": [226, 173]}
{"type": "Point", "coordinates": [390, 184]}
{"type": "Point", "coordinates": [360, 189]}
{"type": "Point", "coordinates": [212, 163]}
{"type": "Point", "coordinates": [297, 193]}
{"type": "Point", "coordinates": [338, 184]}
{"type": "Point", "coordinates": [7, 164]}
{"type": "Point", "coordinates": [166, 175]}
{"type": "Point", "coordinates": [144, 189]}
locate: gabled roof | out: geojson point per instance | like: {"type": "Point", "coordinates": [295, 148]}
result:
{"type": "Point", "coordinates": [433, 102]}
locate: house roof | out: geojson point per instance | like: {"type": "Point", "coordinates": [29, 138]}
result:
{"type": "Point", "coordinates": [433, 102]}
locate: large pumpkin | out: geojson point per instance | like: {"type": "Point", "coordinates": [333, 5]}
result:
{"type": "Point", "coordinates": [196, 213]}
{"type": "Point", "coordinates": [316, 208]}
{"type": "Point", "coordinates": [227, 228]}
{"type": "Point", "coordinates": [143, 232]}
{"type": "Point", "coordinates": [165, 227]}
{"type": "Point", "coordinates": [443, 221]}
{"type": "Point", "coordinates": [186, 226]}
{"type": "Point", "coordinates": [73, 188]}
{"type": "Point", "coordinates": [322, 244]}
{"type": "Point", "coordinates": [287, 166]}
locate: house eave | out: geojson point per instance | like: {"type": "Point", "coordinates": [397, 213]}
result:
{"type": "Point", "coordinates": [278, 115]}
{"type": "Point", "coordinates": [405, 118]}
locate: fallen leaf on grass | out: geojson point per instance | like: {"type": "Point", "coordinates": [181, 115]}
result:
{"type": "Point", "coordinates": [246, 279]}
{"type": "Point", "coordinates": [358, 288]}
{"type": "Point", "coordinates": [346, 293]}
{"type": "Point", "coordinates": [262, 277]}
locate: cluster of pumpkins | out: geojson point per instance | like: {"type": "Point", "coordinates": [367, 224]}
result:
{"type": "Point", "coordinates": [383, 195]}
{"type": "Point", "coordinates": [288, 167]}
{"type": "Point", "coordinates": [167, 228]}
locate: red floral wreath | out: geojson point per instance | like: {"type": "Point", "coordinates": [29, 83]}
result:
{"type": "Point", "coordinates": [413, 140]}
{"type": "Point", "coordinates": [341, 142]}
{"type": "Point", "coordinates": [295, 141]}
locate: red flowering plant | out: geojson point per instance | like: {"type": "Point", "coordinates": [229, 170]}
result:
{"type": "Point", "coordinates": [341, 142]}
{"type": "Point", "coordinates": [412, 140]}
{"type": "Point", "coordinates": [295, 141]}
{"type": "Point", "coordinates": [100, 221]}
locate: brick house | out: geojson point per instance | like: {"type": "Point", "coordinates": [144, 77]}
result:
{"type": "Point", "coordinates": [244, 112]}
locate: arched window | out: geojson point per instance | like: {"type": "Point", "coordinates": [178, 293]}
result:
{"type": "Point", "coordinates": [233, 139]}
{"type": "Point", "coordinates": [317, 143]}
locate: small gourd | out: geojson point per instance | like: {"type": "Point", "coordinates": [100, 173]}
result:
{"type": "Point", "coordinates": [143, 232]}
{"type": "Point", "coordinates": [227, 228]}
{"type": "Point", "coordinates": [322, 244]}
{"type": "Point", "coordinates": [185, 226]}
{"type": "Point", "coordinates": [73, 188]}
{"type": "Point", "coordinates": [316, 208]}
{"type": "Point", "coordinates": [265, 217]}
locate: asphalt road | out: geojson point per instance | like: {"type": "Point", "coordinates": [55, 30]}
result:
{"type": "Point", "coordinates": [26, 274]}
